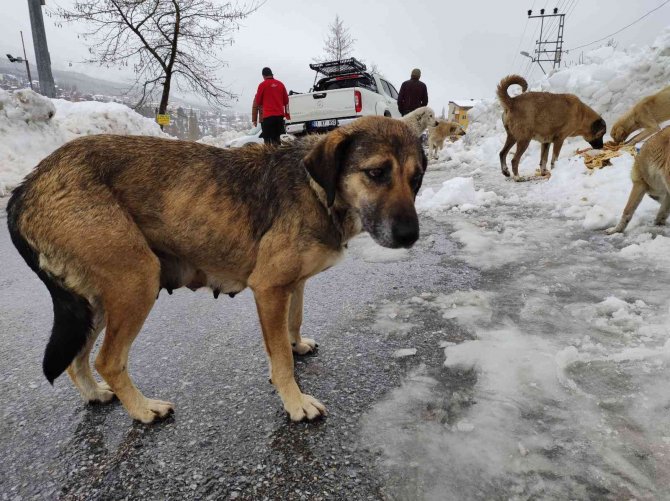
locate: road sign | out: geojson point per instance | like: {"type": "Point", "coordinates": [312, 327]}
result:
{"type": "Point", "coordinates": [163, 119]}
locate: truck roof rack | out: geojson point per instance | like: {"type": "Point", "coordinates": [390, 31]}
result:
{"type": "Point", "coordinates": [341, 67]}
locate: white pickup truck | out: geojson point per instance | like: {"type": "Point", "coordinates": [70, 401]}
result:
{"type": "Point", "coordinates": [344, 93]}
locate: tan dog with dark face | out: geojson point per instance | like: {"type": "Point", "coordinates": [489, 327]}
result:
{"type": "Point", "coordinates": [651, 176]}
{"type": "Point", "coordinates": [547, 118]}
{"type": "Point", "coordinates": [137, 214]}
{"type": "Point", "coordinates": [440, 132]}
{"type": "Point", "coordinates": [648, 114]}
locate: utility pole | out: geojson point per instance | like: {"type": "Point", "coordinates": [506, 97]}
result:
{"type": "Point", "coordinates": [543, 49]}
{"type": "Point", "coordinates": [42, 58]}
{"type": "Point", "coordinates": [25, 57]}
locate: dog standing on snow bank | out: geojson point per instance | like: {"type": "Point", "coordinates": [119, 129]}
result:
{"type": "Point", "coordinates": [647, 114]}
{"type": "Point", "coordinates": [651, 175]}
{"type": "Point", "coordinates": [107, 221]}
{"type": "Point", "coordinates": [420, 119]}
{"type": "Point", "coordinates": [547, 118]}
{"type": "Point", "coordinates": [440, 132]}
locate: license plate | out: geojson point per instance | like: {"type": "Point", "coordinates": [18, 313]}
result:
{"type": "Point", "coordinates": [318, 124]}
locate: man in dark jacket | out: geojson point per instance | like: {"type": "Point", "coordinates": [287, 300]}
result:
{"type": "Point", "coordinates": [272, 99]}
{"type": "Point", "coordinates": [413, 94]}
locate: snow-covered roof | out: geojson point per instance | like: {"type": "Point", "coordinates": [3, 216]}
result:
{"type": "Point", "coordinates": [465, 103]}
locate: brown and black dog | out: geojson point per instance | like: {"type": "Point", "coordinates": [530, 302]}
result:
{"type": "Point", "coordinates": [107, 221]}
{"type": "Point", "coordinates": [547, 118]}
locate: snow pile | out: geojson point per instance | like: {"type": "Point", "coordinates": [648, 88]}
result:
{"type": "Point", "coordinates": [222, 138]}
{"type": "Point", "coordinates": [648, 251]}
{"type": "Point", "coordinates": [456, 192]}
{"type": "Point", "coordinates": [32, 126]}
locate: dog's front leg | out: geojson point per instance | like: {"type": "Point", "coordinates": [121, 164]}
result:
{"type": "Point", "coordinates": [300, 345]}
{"type": "Point", "coordinates": [634, 199]}
{"type": "Point", "coordinates": [273, 311]}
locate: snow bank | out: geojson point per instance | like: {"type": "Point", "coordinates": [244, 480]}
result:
{"type": "Point", "coordinates": [32, 126]}
{"type": "Point", "coordinates": [456, 192]}
{"type": "Point", "coordinates": [221, 140]}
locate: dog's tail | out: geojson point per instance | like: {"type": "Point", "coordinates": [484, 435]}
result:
{"type": "Point", "coordinates": [505, 84]}
{"type": "Point", "coordinates": [73, 315]}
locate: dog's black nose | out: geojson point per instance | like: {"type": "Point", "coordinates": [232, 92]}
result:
{"type": "Point", "coordinates": [597, 144]}
{"type": "Point", "coordinates": [405, 232]}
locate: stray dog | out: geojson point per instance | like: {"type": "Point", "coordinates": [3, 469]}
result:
{"type": "Point", "coordinates": [647, 114]}
{"type": "Point", "coordinates": [651, 175]}
{"type": "Point", "coordinates": [137, 214]}
{"type": "Point", "coordinates": [440, 132]}
{"type": "Point", "coordinates": [544, 117]}
{"type": "Point", "coordinates": [420, 119]}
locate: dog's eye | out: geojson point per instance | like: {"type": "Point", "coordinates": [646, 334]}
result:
{"type": "Point", "coordinates": [375, 173]}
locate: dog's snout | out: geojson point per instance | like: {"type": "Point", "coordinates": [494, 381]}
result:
{"type": "Point", "coordinates": [597, 144]}
{"type": "Point", "coordinates": [406, 232]}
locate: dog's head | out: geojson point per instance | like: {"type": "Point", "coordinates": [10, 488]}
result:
{"type": "Point", "coordinates": [595, 133]}
{"type": "Point", "coordinates": [425, 117]}
{"type": "Point", "coordinates": [619, 133]}
{"type": "Point", "coordinates": [374, 166]}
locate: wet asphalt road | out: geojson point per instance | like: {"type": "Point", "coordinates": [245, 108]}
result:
{"type": "Point", "coordinates": [229, 437]}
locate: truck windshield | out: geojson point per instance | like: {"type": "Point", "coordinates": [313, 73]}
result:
{"type": "Point", "coordinates": [346, 82]}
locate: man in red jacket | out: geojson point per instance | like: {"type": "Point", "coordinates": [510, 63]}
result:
{"type": "Point", "coordinates": [272, 98]}
{"type": "Point", "coordinates": [413, 94]}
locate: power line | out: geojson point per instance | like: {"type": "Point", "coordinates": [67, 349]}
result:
{"type": "Point", "coordinates": [619, 31]}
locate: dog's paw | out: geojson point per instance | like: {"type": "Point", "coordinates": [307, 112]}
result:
{"type": "Point", "coordinates": [659, 223]}
{"type": "Point", "coordinates": [152, 410]}
{"type": "Point", "coordinates": [306, 407]}
{"type": "Point", "coordinates": [305, 346]}
{"type": "Point", "coordinates": [505, 172]}
{"type": "Point", "coordinates": [518, 179]}
{"type": "Point", "coordinates": [612, 230]}
{"type": "Point", "coordinates": [102, 394]}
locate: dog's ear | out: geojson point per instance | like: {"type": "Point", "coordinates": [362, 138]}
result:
{"type": "Point", "coordinates": [325, 162]}
{"type": "Point", "coordinates": [599, 127]}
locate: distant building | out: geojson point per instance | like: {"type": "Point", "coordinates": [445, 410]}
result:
{"type": "Point", "coordinates": [458, 111]}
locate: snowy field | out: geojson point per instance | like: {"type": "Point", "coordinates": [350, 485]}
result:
{"type": "Point", "coordinates": [563, 351]}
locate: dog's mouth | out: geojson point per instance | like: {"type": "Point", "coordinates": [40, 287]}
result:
{"type": "Point", "coordinates": [394, 233]}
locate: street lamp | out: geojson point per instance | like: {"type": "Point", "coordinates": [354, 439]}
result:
{"type": "Point", "coordinates": [19, 59]}
{"type": "Point", "coordinates": [23, 59]}
{"type": "Point", "coordinates": [524, 53]}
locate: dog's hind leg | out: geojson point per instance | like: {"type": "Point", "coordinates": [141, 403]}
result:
{"type": "Point", "coordinates": [634, 199]}
{"type": "Point", "coordinates": [299, 345]}
{"type": "Point", "coordinates": [544, 156]}
{"type": "Point", "coordinates": [273, 310]}
{"type": "Point", "coordinates": [555, 151]}
{"type": "Point", "coordinates": [80, 368]}
{"type": "Point", "coordinates": [521, 148]}
{"type": "Point", "coordinates": [127, 301]}
{"type": "Point", "coordinates": [503, 154]}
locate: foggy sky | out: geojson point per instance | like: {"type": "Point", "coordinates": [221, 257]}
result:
{"type": "Point", "coordinates": [463, 48]}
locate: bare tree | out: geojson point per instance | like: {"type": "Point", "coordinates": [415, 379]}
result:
{"type": "Point", "coordinates": [166, 41]}
{"type": "Point", "coordinates": [339, 43]}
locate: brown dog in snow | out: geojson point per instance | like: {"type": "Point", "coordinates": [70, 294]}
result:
{"type": "Point", "coordinates": [648, 114]}
{"type": "Point", "coordinates": [107, 221]}
{"type": "Point", "coordinates": [650, 175]}
{"type": "Point", "coordinates": [438, 133]}
{"type": "Point", "coordinates": [547, 118]}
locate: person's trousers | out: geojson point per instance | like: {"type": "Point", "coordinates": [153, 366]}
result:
{"type": "Point", "coordinates": [273, 128]}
